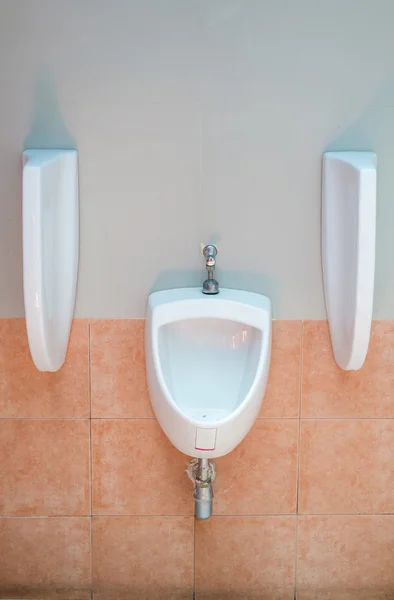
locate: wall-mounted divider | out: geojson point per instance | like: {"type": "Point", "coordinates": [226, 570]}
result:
{"type": "Point", "coordinates": [50, 252]}
{"type": "Point", "coordinates": [348, 252]}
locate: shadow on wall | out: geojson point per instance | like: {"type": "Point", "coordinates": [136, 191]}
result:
{"type": "Point", "coordinates": [374, 131]}
{"type": "Point", "coordinates": [47, 129]}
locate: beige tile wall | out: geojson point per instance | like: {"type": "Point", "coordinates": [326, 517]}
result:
{"type": "Point", "coordinates": [94, 497]}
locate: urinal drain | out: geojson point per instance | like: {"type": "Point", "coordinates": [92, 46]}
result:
{"type": "Point", "coordinates": [202, 472]}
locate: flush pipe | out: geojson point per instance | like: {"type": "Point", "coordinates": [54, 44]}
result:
{"type": "Point", "coordinates": [202, 472]}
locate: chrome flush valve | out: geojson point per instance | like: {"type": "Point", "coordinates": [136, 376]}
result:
{"type": "Point", "coordinates": [210, 285]}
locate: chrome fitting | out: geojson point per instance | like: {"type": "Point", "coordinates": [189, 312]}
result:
{"type": "Point", "coordinates": [202, 472]}
{"type": "Point", "coordinates": [210, 285]}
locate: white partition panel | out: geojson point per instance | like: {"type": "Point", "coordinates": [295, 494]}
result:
{"type": "Point", "coordinates": [50, 252]}
{"type": "Point", "coordinates": [348, 252]}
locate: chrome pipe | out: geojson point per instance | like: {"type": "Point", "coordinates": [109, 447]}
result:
{"type": "Point", "coordinates": [202, 472]}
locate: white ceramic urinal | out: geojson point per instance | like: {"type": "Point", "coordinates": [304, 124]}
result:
{"type": "Point", "coordinates": [50, 252]}
{"type": "Point", "coordinates": [207, 364]}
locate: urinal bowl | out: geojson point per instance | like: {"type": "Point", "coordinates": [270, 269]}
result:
{"type": "Point", "coordinates": [207, 364]}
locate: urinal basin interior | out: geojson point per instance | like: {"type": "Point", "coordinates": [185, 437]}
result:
{"type": "Point", "coordinates": [209, 365]}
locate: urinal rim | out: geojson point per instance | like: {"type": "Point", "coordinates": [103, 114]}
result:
{"type": "Point", "coordinates": [261, 322]}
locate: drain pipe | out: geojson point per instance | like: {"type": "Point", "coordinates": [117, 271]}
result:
{"type": "Point", "coordinates": [202, 472]}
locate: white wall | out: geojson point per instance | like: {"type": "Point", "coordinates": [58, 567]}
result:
{"type": "Point", "coordinates": [196, 120]}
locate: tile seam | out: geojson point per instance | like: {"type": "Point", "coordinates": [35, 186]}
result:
{"type": "Point", "coordinates": [154, 418]}
{"type": "Point", "coordinates": [301, 371]}
{"type": "Point", "coordinates": [90, 460]}
{"type": "Point", "coordinates": [182, 516]}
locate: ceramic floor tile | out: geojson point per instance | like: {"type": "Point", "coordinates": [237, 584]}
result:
{"type": "Point", "coordinates": [282, 395]}
{"type": "Point", "coordinates": [345, 558]}
{"type": "Point", "coordinates": [118, 380]}
{"type": "Point", "coordinates": [26, 392]}
{"type": "Point", "coordinates": [143, 558]}
{"type": "Point", "coordinates": [259, 476]}
{"type": "Point", "coordinates": [45, 558]}
{"type": "Point", "coordinates": [245, 558]}
{"type": "Point", "coordinates": [136, 470]}
{"type": "Point", "coordinates": [330, 392]}
{"type": "Point", "coordinates": [44, 469]}
{"type": "Point", "coordinates": [346, 466]}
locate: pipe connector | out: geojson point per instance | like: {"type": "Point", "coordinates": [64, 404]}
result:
{"type": "Point", "coordinates": [210, 285]}
{"type": "Point", "coordinates": [203, 496]}
{"type": "Point", "coordinates": [202, 472]}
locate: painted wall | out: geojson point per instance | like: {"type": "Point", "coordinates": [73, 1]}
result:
{"type": "Point", "coordinates": [305, 503]}
{"type": "Point", "coordinates": [196, 120]}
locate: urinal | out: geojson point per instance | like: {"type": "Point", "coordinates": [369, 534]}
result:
{"type": "Point", "coordinates": [207, 359]}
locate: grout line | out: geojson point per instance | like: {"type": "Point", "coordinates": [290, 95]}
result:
{"type": "Point", "coordinates": [94, 320]}
{"type": "Point", "coordinates": [89, 376]}
{"type": "Point", "coordinates": [277, 418]}
{"type": "Point", "coordinates": [299, 414]}
{"type": "Point", "coordinates": [44, 418]}
{"type": "Point", "coordinates": [347, 419]}
{"type": "Point", "coordinates": [298, 455]}
{"type": "Point", "coordinates": [123, 418]}
{"type": "Point", "coordinates": [301, 368]}
{"type": "Point", "coordinates": [194, 558]}
{"type": "Point", "coordinates": [90, 463]}
{"type": "Point", "coordinates": [91, 557]}
{"type": "Point", "coordinates": [241, 515]}
{"type": "Point", "coordinates": [216, 516]}
{"type": "Point", "coordinates": [359, 514]}
{"type": "Point", "coordinates": [137, 516]}
{"type": "Point", "coordinates": [154, 419]}
{"type": "Point", "coordinates": [87, 418]}
{"type": "Point", "coordinates": [45, 517]}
